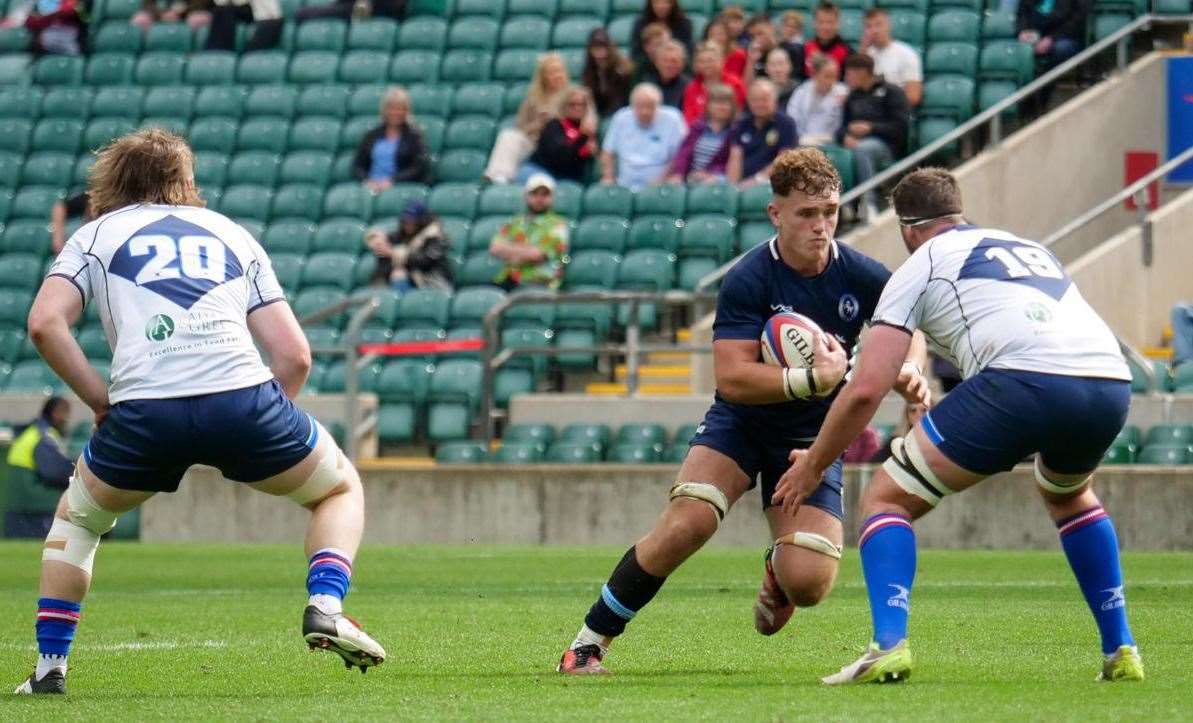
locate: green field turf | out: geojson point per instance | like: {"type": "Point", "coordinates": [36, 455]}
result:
{"type": "Point", "coordinates": [212, 632]}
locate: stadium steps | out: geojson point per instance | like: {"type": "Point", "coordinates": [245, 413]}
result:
{"type": "Point", "coordinates": [658, 373]}
{"type": "Point", "coordinates": [620, 389]}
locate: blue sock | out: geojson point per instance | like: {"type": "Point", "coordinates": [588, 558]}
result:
{"type": "Point", "coordinates": [330, 573]}
{"type": "Point", "coordinates": [888, 563]}
{"type": "Point", "coordinates": [56, 622]}
{"type": "Point", "coordinates": [1092, 548]}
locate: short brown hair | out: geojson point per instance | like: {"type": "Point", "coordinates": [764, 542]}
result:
{"type": "Point", "coordinates": [828, 7]}
{"type": "Point", "coordinates": [806, 170]}
{"type": "Point", "coordinates": [733, 11]}
{"type": "Point", "coordinates": [860, 61]}
{"type": "Point", "coordinates": [795, 17]}
{"type": "Point", "coordinates": [875, 12]}
{"type": "Point", "coordinates": [146, 166]}
{"type": "Point", "coordinates": [927, 193]}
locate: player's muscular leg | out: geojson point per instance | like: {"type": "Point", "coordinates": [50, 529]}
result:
{"type": "Point", "coordinates": [884, 494]}
{"type": "Point", "coordinates": [686, 524]}
{"type": "Point", "coordinates": [805, 575]}
{"type": "Point", "coordinates": [327, 484]}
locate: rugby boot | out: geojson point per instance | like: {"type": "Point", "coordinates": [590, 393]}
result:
{"type": "Point", "coordinates": [343, 636]}
{"type": "Point", "coordinates": [582, 660]}
{"type": "Point", "coordinates": [52, 683]}
{"type": "Point", "coordinates": [876, 666]}
{"type": "Point", "coordinates": [1121, 665]}
{"type": "Point", "coordinates": [772, 609]}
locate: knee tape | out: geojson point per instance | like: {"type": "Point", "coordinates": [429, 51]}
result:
{"type": "Point", "coordinates": [705, 493]}
{"type": "Point", "coordinates": [83, 511]}
{"type": "Point", "coordinates": [323, 478]}
{"type": "Point", "coordinates": [1050, 486]}
{"type": "Point", "coordinates": [813, 542]}
{"type": "Point", "coordinates": [911, 472]}
{"type": "Point", "coordinates": [72, 544]}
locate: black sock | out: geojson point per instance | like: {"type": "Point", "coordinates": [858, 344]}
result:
{"type": "Point", "coordinates": [628, 590]}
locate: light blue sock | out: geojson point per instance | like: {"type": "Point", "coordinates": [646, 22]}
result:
{"type": "Point", "coordinates": [1091, 545]}
{"type": "Point", "coordinates": [888, 563]}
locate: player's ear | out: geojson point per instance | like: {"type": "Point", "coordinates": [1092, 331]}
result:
{"type": "Point", "coordinates": [772, 211]}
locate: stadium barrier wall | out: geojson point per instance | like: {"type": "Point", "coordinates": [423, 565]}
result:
{"type": "Point", "coordinates": [615, 505]}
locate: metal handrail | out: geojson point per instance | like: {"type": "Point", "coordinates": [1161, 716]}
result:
{"type": "Point", "coordinates": [991, 115]}
{"type": "Point", "coordinates": [354, 427]}
{"type": "Point", "coordinates": [1130, 191]}
{"type": "Point", "coordinates": [492, 359]}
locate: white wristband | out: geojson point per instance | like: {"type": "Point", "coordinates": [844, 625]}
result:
{"type": "Point", "coordinates": [799, 383]}
{"type": "Point", "coordinates": [915, 367]}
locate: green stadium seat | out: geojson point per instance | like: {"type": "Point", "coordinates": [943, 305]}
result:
{"type": "Point", "coordinates": [94, 343]}
{"type": "Point", "coordinates": [649, 434]}
{"type": "Point", "coordinates": [541, 435]}
{"type": "Point", "coordinates": [14, 69]}
{"type": "Point", "coordinates": [101, 131]}
{"type": "Point", "coordinates": [169, 101]}
{"type": "Point", "coordinates": [429, 99]}
{"type": "Point", "coordinates": [66, 102]}
{"type": "Point", "coordinates": [569, 199]}
{"type": "Point", "coordinates": [313, 66]}
{"type": "Point", "coordinates": [211, 169]}
{"type": "Point", "coordinates": [298, 200]}
{"type": "Point", "coordinates": [998, 25]}
{"type": "Point", "coordinates": [483, 99]}
{"type": "Point", "coordinates": [466, 66]}
{"type": "Point", "coordinates": [404, 380]}
{"type": "Point", "coordinates": [334, 378]}
{"type": "Point", "coordinates": [646, 270]}
{"type": "Point", "coordinates": [340, 234]}
{"type": "Point", "coordinates": [930, 128]}
{"type": "Point", "coordinates": [960, 26]}
{"type": "Point", "coordinates": [288, 268]}
{"type": "Point", "coordinates": [991, 92]}
{"type": "Point", "coordinates": [1008, 60]}
{"type": "Point", "coordinates": [461, 452]}
{"type": "Point", "coordinates": [220, 100]}
{"type": "Point", "coordinates": [23, 102]}
{"type": "Point", "coordinates": [1105, 24]}
{"type": "Point", "coordinates": [331, 35]}
{"type": "Point", "coordinates": [311, 167]}
{"type": "Point", "coordinates": [601, 232]}
{"type": "Point", "coordinates": [58, 70]}
{"type": "Point", "coordinates": [329, 268]}
{"type": "Point", "coordinates": [573, 32]}
{"type": "Point", "coordinates": [278, 101]}
{"type": "Point", "coordinates": [529, 315]}
{"type": "Point", "coordinates": [10, 169]}
{"type": "Point", "coordinates": [572, 453]}
{"type": "Point", "coordinates": [262, 134]}
{"type": "Point", "coordinates": [508, 383]}
{"type": "Point", "coordinates": [117, 9]}
{"type": "Point", "coordinates": [313, 299]}
{"type": "Point", "coordinates": [526, 32]}
{"type": "Point", "coordinates": [160, 69]}
{"type": "Point", "coordinates": [597, 8]}
{"type": "Point", "coordinates": [1157, 454]}
{"type": "Point", "coordinates": [211, 197]}
{"type": "Point", "coordinates": [948, 96]}
{"type": "Point", "coordinates": [246, 201]}
{"type": "Point", "coordinates": [753, 233]}
{"type": "Point", "coordinates": [473, 33]}
{"type": "Point", "coordinates": [34, 202]}
{"type": "Point", "coordinates": [211, 67]}
{"type": "Point", "coordinates": [415, 66]}
{"type": "Point", "coordinates": [597, 436]}
{"type": "Point", "coordinates": [1182, 378]}
{"type": "Point", "coordinates": [621, 30]}
{"type": "Point", "coordinates": [168, 37]}
{"type": "Point", "coordinates": [842, 159]}
{"type": "Point", "coordinates": [14, 308]}
{"type": "Point", "coordinates": [264, 67]}
{"type": "Point", "coordinates": [116, 37]}
{"type": "Point", "coordinates": [851, 26]}
{"type": "Point", "coordinates": [110, 69]}
{"type": "Point", "coordinates": [629, 453]}
{"type": "Point", "coordinates": [1171, 7]}
{"type": "Point", "coordinates": [48, 169]}
{"type": "Point", "coordinates": [289, 236]}
{"type": "Point", "coordinates": [6, 200]}
{"type": "Point", "coordinates": [423, 33]}
{"type": "Point", "coordinates": [389, 203]}
{"type": "Point", "coordinates": [493, 9]}
{"type": "Point", "coordinates": [469, 306]}
{"type": "Point", "coordinates": [372, 34]}
{"type": "Point", "coordinates": [82, 170]}
{"type": "Point", "coordinates": [712, 198]}
{"type": "Point", "coordinates": [341, 169]}
{"type": "Point", "coordinates": [20, 271]}
{"type": "Point", "coordinates": [456, 229]}
{"type": "Point", "coordinates": [315, 133]}
{"type": "Point", "coordinates": [454, 393]}
{"type": "Point", "coordinates": [592, 269]}
{"type": "Point", "coordinates": [908, 26]}
{"type": "Point", "coordinates": [1119, 454]}
{"type": "Point", "coordinates": [607, 200]}
{"type": "Point", "coordinates": [396, 422]}
{"type": "Point", "coordinates": [974, 5]}
{"type": "Point", "coordinates": [1168, 435]}
{"type": "Point", "coordinates": [515, 65]}
{"type": "Point", "coordinates": [482, 231]}
{"type": "Point", "coordinates": [665, 199]}
{"type": "Point", "coordinates": [653, 232]}
{"type": "Point", "coordinates": [15, 135]}
{"type": "Point", "coordinates": [675, 453]}
{"type": "Point", "coordinates": [423, 307]}
{"type": "Point", "coordinates": [10, 345]}
{"type": "Point", "coordinates": [515, 93]}
{"type": "Point", "coordinates": [366, 99]}
{"type": "Point", "coordinates": [419, 334]}
{"type": "Point", "coordinates": [707, 236]}
{"type": "Point", "coordinates": [348, 199]}
{"type": "Point", "coordinates": [461, 165]}
{"type": "Point", "coordinates": [118, 102]}
{"type": "Point", "coordinates": [573, 60]}
{"type": "Point", "coordinates": [256, 167]}
{"type": "Point", "coordinates": [255, 228]}
{"type": "Point", "coordinates": [363, 66]}
{"type": "Point", "coordinates": [951, 58]}
{"type": "Point", "coordinates": [501, 200]}
{"type": "Point", "coordinates": [33, 377]}
{"type": "Point", "coordinates": [475, 132]}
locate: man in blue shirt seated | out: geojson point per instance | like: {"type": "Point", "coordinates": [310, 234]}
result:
{"type": "Point", "coordinates": [641, 140]}
{"type": "Point", "coordinates": [759, 135]}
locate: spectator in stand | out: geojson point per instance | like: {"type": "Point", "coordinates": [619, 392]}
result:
{"type": "Point", "coordinates": [826, 22]}
{"type": "Point", "coordinates": [642, 140]}
{"type": "Point", "coordinates": [669, 76]}
{"type": "Point", "coordinates": [759, 135]}
{"type": "Point", "coordinates": [264, 15]}
{"type": "Point", "coordinates": [897, 62]}
{"type": "Point", "coordinates": [791, 27]}
{"type": "Point", "coordinates": [874, 124]}
{"type": "Point", "coordinates": [1182, 334]}
{"type": "Point", "coordinates": [196, 13]}
{"type": "Point", "coordinates": [670, 14]}
{"type": "Point", "coordinates": [704, 154]}
{"type": "Point", "coordinates": [63, 210]}
{"type": "Point", "coordinates": [762, 41]}
{"type": "Point", "coordinates": [818, 104]}
{"type": "Point", "coordinates": [567, 145]}
{"type": "Point", "coordinates": [57, 27]}
{"type": "Point", "coordinates": [415, 255]}
{"type": "Point", "coordinates": [394, 151]}
{"type": "Point", "coordinates": [533, 245]}
{"type": "Point", "coordinates": [778, 71]}
{"type": "Point", "coordinates": [346, 9]}
{"type": "Point", "coordinates": [540, 105]}
{"type": "Point", "coordinates": [1054, 28]}
{"type": "Point", "coordinates": [735, 56]}
{"type": "Point", "coordinates": [709, 70]}
{"type": "Point", "coordinates": [38, 458]}
{"type": "Point", "coordinates": [735, 23]}
{"type": "Point", "coordinates": [653, 36]}
{"type": "Point", "coordinates": [608, 74]}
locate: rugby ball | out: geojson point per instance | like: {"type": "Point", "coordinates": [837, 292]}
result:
{"type": "Point", "coordinates": [789, 340]}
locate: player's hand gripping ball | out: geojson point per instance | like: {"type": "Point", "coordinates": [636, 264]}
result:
{"type": "Point", "coordinates": [793, 341]}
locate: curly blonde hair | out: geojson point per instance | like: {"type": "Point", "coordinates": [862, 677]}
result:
{"type": "Point", "coordinates": [150, 165]}
{"type": "Point", "coordinates": [806, 170]}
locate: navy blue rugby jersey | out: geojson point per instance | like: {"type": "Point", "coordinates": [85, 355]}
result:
{"type": "Point", "coordinates": [840, 299]}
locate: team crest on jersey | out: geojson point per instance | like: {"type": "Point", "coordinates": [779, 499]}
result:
{"type": "Point", "coordinates": [177, 259]}
{"type": "Point", "coordinates": [848, 307]}
{"type": "Point", "coordinates": [159, 328]}
{"type": "Point", "coordinates": [1038, 312]}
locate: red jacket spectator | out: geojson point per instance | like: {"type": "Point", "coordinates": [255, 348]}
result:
{"type": "Point", "coordinates": [695, 96]}
{"type": "Point", "coordinates": [57, 31]}
{"type": "Point", "coordinates": [837, 48]}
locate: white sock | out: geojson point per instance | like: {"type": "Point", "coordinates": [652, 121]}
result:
{"type": "Point", "coordinates": [327, 604]}
{"type": "Point", "coordinates": [47, 662]}
{"type": "Point", "coordinates": [588, 637]}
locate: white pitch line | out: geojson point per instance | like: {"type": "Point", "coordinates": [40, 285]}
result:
{"type": "Point", "coordinates": [119, 647]}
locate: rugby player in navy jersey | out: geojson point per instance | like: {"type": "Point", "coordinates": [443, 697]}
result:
{"type": "Point", "coordinates": [760, 413]}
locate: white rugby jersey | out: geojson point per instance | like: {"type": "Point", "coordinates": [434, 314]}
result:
{"type": "Point", "coordinates": [175, 285]}
{"type": "Point", "coordinates": [986, 298]}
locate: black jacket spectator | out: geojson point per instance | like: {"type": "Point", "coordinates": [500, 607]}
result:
{"type": "Point", "coordinates": [564, 151]}
{"type": "Point", "coordinates": [886, 108]}
{"type": "Point", "coordinates": [1067, 19]}
{"type": "Point", "coordinates": [672, 89]}
{"type": "Point", "coordinates": [608, 74]}
{"type": "Point", "coordinates": [412, 158]}
{"type": "Point", "coordinates": [677, 22]}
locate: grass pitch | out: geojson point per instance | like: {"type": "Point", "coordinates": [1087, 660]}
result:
{"type": "Point", "coordinates": [473, 633]}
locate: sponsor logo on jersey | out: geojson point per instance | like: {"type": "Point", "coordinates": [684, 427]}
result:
{"type": "Point", "coordinates": [782, 307]}
{"type": "Point", "coordinates": [159, 328]}
{"type": "Point", "coordinates": [848, 307]}
{"type": "Point", "coordinates": [1038, 312]}
{"type": "Point", "coordinates": [900, 599]}
{"type": "Point", "coordinates": [1116, 600]}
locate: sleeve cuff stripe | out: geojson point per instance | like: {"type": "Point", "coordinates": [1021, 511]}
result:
{"type": "Point", "coordinates": [71, 279]}
{"type": "Point", "coordinates": [266, 303]}
{"type": "Point", "coordinates": [893, 325]}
